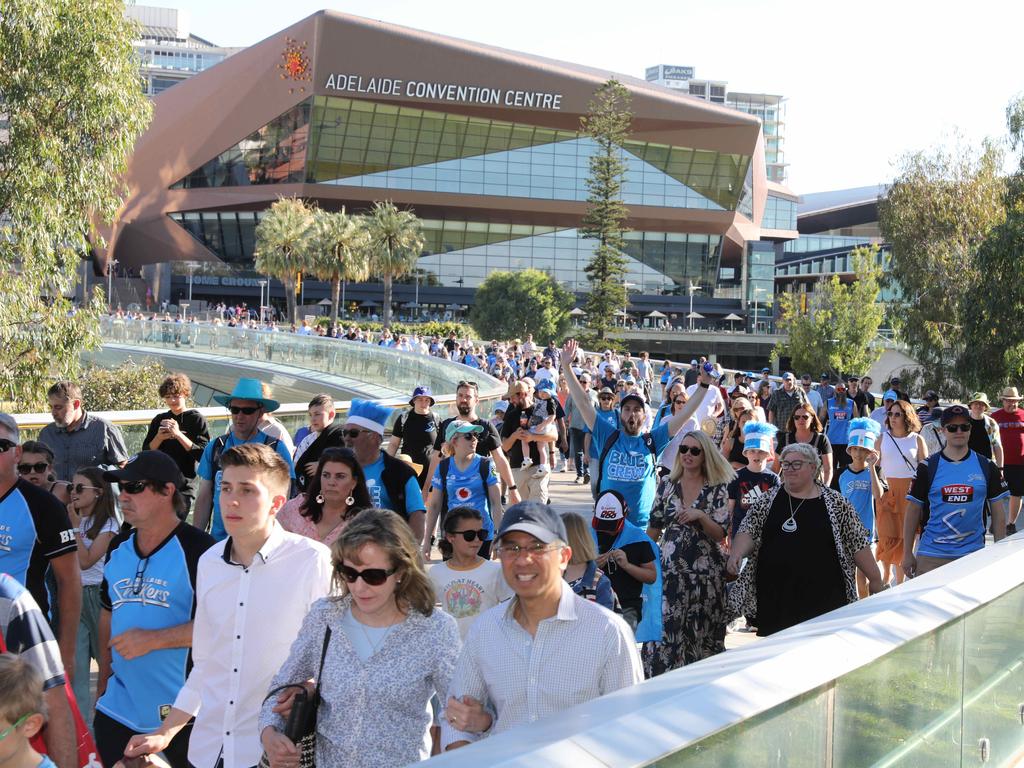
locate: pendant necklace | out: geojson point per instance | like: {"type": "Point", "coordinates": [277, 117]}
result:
{"type": "Point", "coordinates": [789, 526]}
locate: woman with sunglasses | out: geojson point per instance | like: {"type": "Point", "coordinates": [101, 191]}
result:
{"type": "Point", "coordinates": [463, 479]}
{"type": "Point", "coordinates": [337, 492]}
{"type": "Point", "coordinates": [690, 517]}
{"type": "Point", "coordinates": [804, 543]}
{"type": "Point", "coordinates": [36, 466]}
{"type": "Point", "coordinates": [387, 653]}
{"type": "Point", "coordinates": [901, 449]}
{"type": "Point", "coordinates": [94, 518]}
{"type": "Point", "coordinates": [805, 427]}
{"type": "Point", "coordinates": [732, 445]}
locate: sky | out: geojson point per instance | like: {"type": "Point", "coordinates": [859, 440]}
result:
{"type": "Point", "coordinates": [866, 81]}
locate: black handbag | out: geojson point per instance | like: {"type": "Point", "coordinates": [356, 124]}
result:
{"type": "Point", "coordinates": [301, 725]}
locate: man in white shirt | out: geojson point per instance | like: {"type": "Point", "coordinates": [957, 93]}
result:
{"type": "Point", "coordinates": [522, 659]}
{"type": "Point", "coordinates": [546, 371]}
{"type": "Point", "coordinates": [711, 407]}
{"type": "Point", "coordinates": [252, 593]}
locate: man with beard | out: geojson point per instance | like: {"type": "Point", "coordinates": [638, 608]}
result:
{"type": "Point", "coordinates": [627, 456]}
{"type": "Point", "coordinates": [467, 397]}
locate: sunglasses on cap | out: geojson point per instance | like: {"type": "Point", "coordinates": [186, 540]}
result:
{"type": "Point", "coordinates": [248, 410]}
{"type": "Point", "coordinates": [478, 533]}
{"type": "Point", "coordinates": [372, 576]}
{"type": "Point", "coordinates": [39, 466]}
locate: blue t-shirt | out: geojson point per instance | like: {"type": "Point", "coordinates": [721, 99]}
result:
{"type": "Point", "coordinates": [856, 487]}
{"type": "Point", "coordinates": [379, 491]}
{"type": "Point", "coordinates": [839, 422]}
{"type": "Point", "coordinates": [609, 417]}
{"type": "Point", "coordinates": [152, 592]}
{"type": "Point", "coordinates": [34, 529]}
{"type": "Point", "coordinates": [206, 472]}
{"type": "Point", "coordinates": [956, 498]}
{"type": "Point", "coordinates": [630, 468]}
{"type": "Point", "coordinates": [465, 489]}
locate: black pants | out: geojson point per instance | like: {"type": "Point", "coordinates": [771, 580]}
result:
{"type": "Point", "coordinates": [112, 738]}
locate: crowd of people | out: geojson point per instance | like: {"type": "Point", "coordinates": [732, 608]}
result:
{"type": "Point", "coordinates": [407, 575]}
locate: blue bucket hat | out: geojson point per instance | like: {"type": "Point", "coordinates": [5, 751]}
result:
{"type": "Point", "coordinates": [422, 392]}
{"type": "Point", "coordinates": [248, 389]}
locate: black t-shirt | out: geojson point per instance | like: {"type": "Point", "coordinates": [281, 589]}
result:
{"type": "Point", "coordinates": [450, 345]}
{"type": "Point", "coordinates": [488, 442]}
{"type": "Point", "coordinates": [798, 572]}
{"type": "Point", "coordinates": [746, 488]}
{"type": "Point", "coordinates": [611, 383]}
{"type": "Point", "coordinates": [418, 433]}
{"type": "Point", "coordinates": [508, 428]}
{"type": "Point", "coordinates": [820, 442]}
{"type": "Point", "coordinates": [979, 442]}
{"type": "Point", "coordinates": [193, 424]}
{"type": "Point", "coordinates": [626, 588]}
{"type": "Point", "coordinates": [690, 377]}
{"type": "Point", "coordinates": [865, 401]}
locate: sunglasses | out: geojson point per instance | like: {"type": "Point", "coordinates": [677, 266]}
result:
{"type": "Point", "coordinates": [679, 401]}
{"type": "Point", "coordinates": [802, 417]}
{"type": "Point", "coordinates": [954, 428]}
{"type": "Point", "coordinates": [81, 487]}
{"type": "Point", "coordinates": [478, 533]}
{"type": "Point", "coordinates": [39, 466]}
{"type": "Point", "coordinates": [470, 384]}
{"type": "Point", "coordinates": [133, 487]}
{"type": "Point", "coordinates": [693, 449]}
{"type": "Point", "coordinates": [248, 410]}
{"type": "Point", "coordinates": [11, 729]}
{"type": "Point", "coordinates": [372, 576]}
{"type": "Point", "coordinates": [6, 445]}
{"type": "Point", "coordinates": [352, 434]}
{"type": "Point", "coordinates": [895, 413]}
{"type": "Point", "coordinates": [472, 436]}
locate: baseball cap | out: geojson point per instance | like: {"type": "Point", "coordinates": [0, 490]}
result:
{"type": "Point", "coordinates": [629, 379]}
{"type": "Point", "coordinates": [152, 466]}
{"type": "Point", "coordinates": [894, 380]}
{"type": "Point", "coordinates": [931, 394]}
{"type": "Point", "coordinates": [610, 512]}
{"type": "Point", "coordinates": [890, 394]}
{"type": "Point", "coordinates": [693, 362]}
{"type": "Point", "coordinates": [539, 520]}
{"type": "Point", "coordinates": [633, 396]}
{"type": "Point", "coordinates": [954, 411]}
{"type": "Point", "coordinates": [766, 369]}
{"type": "Point", "coordinates": [787, 376]}
{"type": "Point", "coordinates": [824, 376]}
{"type": "Point", "coordinates": [458, 427]}
{"type": "Point", "coordinates": [501, 406]}
{"type": "Point", "coordinates": [545, 385]}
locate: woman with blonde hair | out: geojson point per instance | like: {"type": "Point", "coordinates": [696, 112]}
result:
{"type": "Point", "coordinates": [583, 575]}
{"type": "Point", "coordinates": [805, 427]}
{"type": "Point", "coordinates": [390, 652]}
{"type": "Point", "coordinates": [691, 518]}
{"type": "Point", "coordinates": [901, 449]}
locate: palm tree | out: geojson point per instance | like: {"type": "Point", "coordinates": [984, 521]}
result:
{"type": "Point", "coordinates": [338, 251]}
{"type": "Point", "coordinates": [395, 242]}
{"type": "Point", "coordinates": [282, 244]}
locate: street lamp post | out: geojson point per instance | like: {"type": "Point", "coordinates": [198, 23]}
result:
{"type": "Point", "coordinates": [191, 271]}
{"type": "Point", "coordinates": [692, 289]}
{"type": "Point", "coordinates": [263, 284]}
{"type": "Point", "coordinates": [417, 293]}
{"type": "Point", "coordinates": [110, 284]}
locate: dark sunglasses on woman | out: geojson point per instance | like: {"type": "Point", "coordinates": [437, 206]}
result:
{"type": "Point", "coordinates": [695, 450]}
{"type": "Point", "coordinates": [372, 576]}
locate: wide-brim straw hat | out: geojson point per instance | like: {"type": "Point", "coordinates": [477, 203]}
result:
{"type": "Point", "coordinates": [1009, 393]}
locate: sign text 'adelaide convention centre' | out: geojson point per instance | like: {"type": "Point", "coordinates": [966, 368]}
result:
{"type": "Point", "coordinates": [418, 89]}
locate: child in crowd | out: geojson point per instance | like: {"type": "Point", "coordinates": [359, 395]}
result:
{"type": "Point", "coordinates": [542, 422]}
{"type": "Point", "coordinates": [754, 480]}
{"type": "Point", "coordinates": [859, 482]}
{"type": "Point", "coordinates": [467, 585]}
{"type": "Point", "coordinates": [21, 713]}
{"type": "Point", "coordinates": [94, 517]}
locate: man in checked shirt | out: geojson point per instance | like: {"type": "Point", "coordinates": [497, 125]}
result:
{"type": "Point", "coordinates": [520, 661]}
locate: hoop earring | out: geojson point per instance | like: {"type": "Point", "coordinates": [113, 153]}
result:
{"type": "Point", "coordinates": [350, 501]}
{"type": "Point", "coordinates": [319, 498]}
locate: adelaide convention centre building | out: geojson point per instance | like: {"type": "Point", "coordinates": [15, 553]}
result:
{"type": "Point", "coordinates": [483, 143]}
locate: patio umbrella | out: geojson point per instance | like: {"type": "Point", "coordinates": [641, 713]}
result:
{"type": "Point", "coordinates": [695, 316]}
{"type": "Point", "coordinates": [656, 313]}
{"type": "Point", "coordinates": [732, 317]}
{"type": "Point", "coordinates": [576, 312]}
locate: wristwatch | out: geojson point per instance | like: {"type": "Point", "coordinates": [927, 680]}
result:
{"type": "Point", "coordinates": [513, 487]}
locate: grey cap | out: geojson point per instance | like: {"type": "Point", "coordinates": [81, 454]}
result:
{"type": "Point", "coordinates": [539, 520]}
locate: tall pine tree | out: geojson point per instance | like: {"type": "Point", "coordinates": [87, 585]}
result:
{"type": "Point", "coordinates": [608, 124]}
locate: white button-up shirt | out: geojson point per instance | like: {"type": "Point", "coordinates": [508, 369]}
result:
{"type": "Point", "coordinates": [582, 652]}
{"type": "Point", "coordinates": [246, 620]}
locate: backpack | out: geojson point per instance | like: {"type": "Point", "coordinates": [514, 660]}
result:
{"type": "Point", "coordinates": [932, 465]}
{"type": "Point", "coordinates": [221, 441]}
{"type": "Point", "coordinates": [394, 477]}
{"type": "Point", "coordinates": [485, 471]}
{"type": "Point", "coordinates": [648, 439]}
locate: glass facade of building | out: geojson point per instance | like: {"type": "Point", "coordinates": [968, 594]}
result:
{"type": "Point", "coordinates": [760, 279]}
{"type": "Point", "coordinates": [779, 213]}
{"type": "Point", "coordinates": [464, 253]}
{"type": "Point", "coordinates": [350, 142]}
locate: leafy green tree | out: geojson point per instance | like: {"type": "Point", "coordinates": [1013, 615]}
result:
{"type": "Point", "coordinates": [283, 245]}
{"type": "Point", "coordinates": [72, 109]}
{"type": "Point", "coordinates": [395, 240]}
{"type": "Point", "coordinates": [993, 353]}
{"type": "Point", "coordinates": [338, 252]}
{"type": "Point", "coordinates": [130, 386]}
{"type": "Point", "coordinates": [512, 304]}
{"type": "Point", "coordinates": [837, 331]}
{"type": "Point", "coordinates": [940, 209]}
{"type": "Point", "coordinates": [608, 123]}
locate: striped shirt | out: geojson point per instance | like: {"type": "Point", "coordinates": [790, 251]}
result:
{"type": "Point", "coordinates": [521, 679]}
{"type": "Point", "coordinates": [26, 634]}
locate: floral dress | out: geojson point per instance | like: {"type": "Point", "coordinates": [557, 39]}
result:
{"type": "Point", "coordinates": [693, 571]}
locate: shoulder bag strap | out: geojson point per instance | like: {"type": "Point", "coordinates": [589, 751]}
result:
{"type": "Point", "coordinates": [320, 669]}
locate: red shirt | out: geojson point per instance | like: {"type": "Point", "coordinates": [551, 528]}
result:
{"type": "Point", "coordinates": [1011, 434]}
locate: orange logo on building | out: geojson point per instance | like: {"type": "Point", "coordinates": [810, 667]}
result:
{"type": "Point", "coordinates": [295, 65]}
